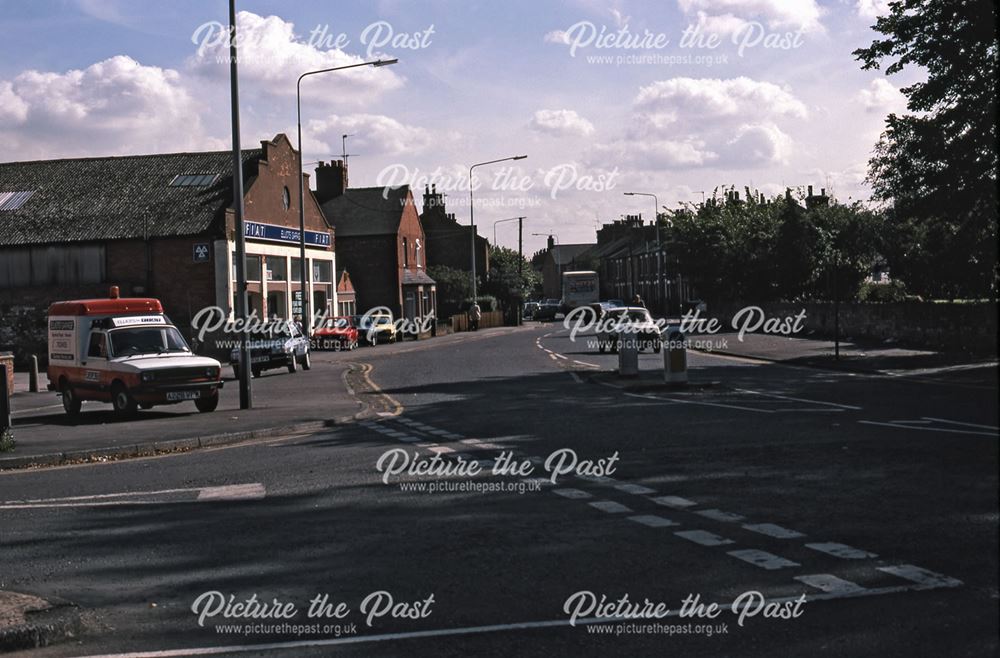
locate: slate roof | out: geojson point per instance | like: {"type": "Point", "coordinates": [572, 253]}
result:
{"type": "Point", "coordinates": [567, 253]}
{"type": "Point", "coordinates": [363, 211]}
{"type": "Point", "coordinates": [113, 198]}
{"type": "Point", "coordinates": [420, 277]}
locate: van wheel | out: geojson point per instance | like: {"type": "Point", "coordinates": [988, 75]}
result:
{"type": "Point", "coordinates": [205, 405]}
{"type": "Point", "coordinates": [71, 403]}
{"type": "Point", "coordinates": [122, 402]}
{"type": "Point", "coordinates": [293, 363]}
{"type": "Point", "coordinates": [306, 361]}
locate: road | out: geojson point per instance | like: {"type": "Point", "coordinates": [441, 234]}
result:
{"type": "Point", "coordinates": [875, 497]}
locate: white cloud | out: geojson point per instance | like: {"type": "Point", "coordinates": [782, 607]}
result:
{"type": "Point", "coordinates": [115, 106]}
{"type": "Point", "coordinates": [688, 122]}
{"type": "Point", "coordinates": [557, 36]}
{"type": "Point", "coordinates": [881, 97]}
{"type": "Point", "coordinates": [698, 99]}
{"type": "Point", "coordinates": [792, 14]}
{"type": "Point", "coordinates": [371, 135]}
{"type": "Point", "coordinates": [872, 8]}
{"type": "Point", "coordinates": [271, 58]}
{"type": "Point", "coordinates": [721, 24]}
{"type": "Point", "coordinates": [561, 122]}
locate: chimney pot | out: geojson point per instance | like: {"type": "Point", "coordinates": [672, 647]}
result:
{"type": "Point", "coordinates": [810, 190]}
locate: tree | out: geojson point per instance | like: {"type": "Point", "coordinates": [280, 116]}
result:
{"type": "Point", "coordinates": [453, 287]}
{"type": "Point", "coordinates": [937, 165]}
{"type": "Point", "coordinates": [504, 282]}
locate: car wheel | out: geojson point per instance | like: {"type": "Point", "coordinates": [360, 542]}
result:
{"type": "Point", "coordinates": [145, 405]}
{"type": "Point", "coordinates": [123, 403]}
{"type": "Point", "coordinates": [208, 404]}
{"type": "Point", "coordinates": [256, 372]}
{"type": "Point", "coordinates": [293, 363]}
{"type": "Point", "coordinates": [306, 361]}
{"type": "Point", "coordinates": [71, 403]}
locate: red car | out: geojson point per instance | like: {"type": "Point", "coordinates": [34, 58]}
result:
{"type": "Point", "coordinates": [338, 333]}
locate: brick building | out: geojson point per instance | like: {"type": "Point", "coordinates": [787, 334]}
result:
{"type": "Point", "coordinates": [449, 241]}
{"type": "Point", "coordinates": [380, 241]}
{"type": "Point", "coordinates": [159, 225]}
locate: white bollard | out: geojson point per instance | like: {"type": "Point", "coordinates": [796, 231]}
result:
{"type": "Point", "coordinates": [628, 354]}
{"type": "Point", "coordinates": [675, 357]}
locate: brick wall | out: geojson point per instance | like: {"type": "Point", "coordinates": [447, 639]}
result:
{"type": "Point", "coordinates": [369, 260]}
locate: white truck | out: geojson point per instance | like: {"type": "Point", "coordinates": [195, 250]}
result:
{"type": "Point", "coordinates": [126, 352]}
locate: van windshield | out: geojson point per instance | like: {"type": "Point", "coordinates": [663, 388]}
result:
{"type": "Point", "coordinates": [146, 340]}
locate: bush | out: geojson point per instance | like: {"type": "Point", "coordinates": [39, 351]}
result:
{"type": "Point", "coordinates": [880, 293]}
{"type": "Point", "coordinates": [486, 303]}
{"type": "Point", "coordinates": [7, 442]}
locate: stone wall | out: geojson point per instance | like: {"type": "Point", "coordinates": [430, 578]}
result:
{"type": "Point", "coordinates": [954, 327]}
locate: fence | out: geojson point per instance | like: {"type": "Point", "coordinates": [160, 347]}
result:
{"type": "Point", "coordinates": [489, 319]}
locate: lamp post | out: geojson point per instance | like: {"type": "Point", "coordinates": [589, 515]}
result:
{"type": "Point", "coordinates": [520, 258]}
{"type": "Point", "coordinates": [501, 221]}
{"type": "Point", "coordinates": [472, 216]}
{"type": "Point", "coordinates": [659, 249]}
{"type": "Point", "coordinates": [303, 278]}
{"type": "Point", "coordinates": [555, 258]}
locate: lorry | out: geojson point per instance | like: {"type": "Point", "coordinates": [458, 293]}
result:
{"type": "Point", "coordinates": [579, 289]}
{"type": "Point", "coordinates": [125, 351]}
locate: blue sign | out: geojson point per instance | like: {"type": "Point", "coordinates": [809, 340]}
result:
{"type": "Point", "coordinates": [273, 233]}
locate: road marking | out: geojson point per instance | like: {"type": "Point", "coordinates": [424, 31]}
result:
{"type": "Point", "coordinates": [841, 550]}
{"type": "Point", "coordinates": [705, 404]}
{"type": "Point", "coordinates": [584, 363]}
{"type": "Point", "coordinates": [674, 501]}
{"type": "Point", "coordinates": [955, 422]}
{"type": "Point", "coordinates": [471, 442]}
{"type": "Point", "coordinates": [719, 515]}
{"type": "Point", "coordinates": [926, 429]}
{"type": "Point", "coordinates": [922, 577]}
{"type": "Point", "coordinates": [572, 493]}
{"type": "Point", "coordinates": [637, 489]}
{"type": "Point", "coordinates": [704, 537]}
{"type": "Point", "coordinates": [652, 520]}
{"type": "Point", "coordinates": [773, 530]}
{"type": "Point", "coordinates": [763, 559]}
{"type": "Point", "coordinates": [829, 583]}
{"type": "Point", "coordinates": [438, 450]}
{"type": "Point", "coordinates": [540, 482]}
{"type": "Point", "coordinates": [233, 492]}
{"type": "Point", "coordinates": [785, 397]}
{"type": "Point", "coordinates": [576, 377]}
{"type": "Point", "coordinates": [247, 491]}
{"type": "Point", "coordinates": [610, 506]}
{"type": "Point", "coordinates": [552, 356]}
{"type": "Point", "coordinates": [409, 439]}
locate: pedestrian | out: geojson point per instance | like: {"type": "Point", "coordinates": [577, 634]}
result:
{"type": "Point", "coordinates": [637, 301]}
{"type": "Point", "coordinates": [475, 314]}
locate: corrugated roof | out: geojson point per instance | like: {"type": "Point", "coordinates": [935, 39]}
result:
{"type": "Point", "coordinates": [367, 210]}
{"type": "Point", "coordinates": [118, 197]}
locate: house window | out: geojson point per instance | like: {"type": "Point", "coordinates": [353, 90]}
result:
{"type": "Point", "coordinates": [286, 198]}
{"type": "Point", "coordinates": [406, 253]}
{"type": "Point", "coordinates": [417, 249]}
{"type": "Point", "coordinates": [193, 180]}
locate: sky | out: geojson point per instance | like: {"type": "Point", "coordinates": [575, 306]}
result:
{"type": "Point", "coordinates": [674, 98]}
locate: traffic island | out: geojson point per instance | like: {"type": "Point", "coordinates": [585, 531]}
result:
{"type": "Point", "coordinates": [29, 622]}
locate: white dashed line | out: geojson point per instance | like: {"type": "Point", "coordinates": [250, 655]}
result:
{"type": "Point", "coordinates": [674, 501]}
{"type": "Point", "coordinates": [785, 397]}
{"type": "Point", "coordinates": [841, 550]}
{"type": "Point", "coordinates": [829, 583]}
{"type": "Point", "coordinates": [927, 429]}
{"type": "Point", "coordinates": [719, 515]}
{"type": "Point", "coordinates": [233, 492]}
{"type": "Point", "coordinates": [439, 450]}
{"type": "Point", "coordinates": [955, 422]}
{"type": "Point", "coordinates": [922, 577]}
{"type": "Point", "coordinates": [773, 530]}
{"type": "Point", "coordinates": [652, 521]}
{"type": "Point", "coordinates": [572, 493]}
{"type": "Point", "coordinates": [703, 537]}
{"type": "Point", "coordinates": [763, 559]}
{"type": "Point", "coordinates": [610, 506]}
{"type": "Point", "coordinates": [637, 489]}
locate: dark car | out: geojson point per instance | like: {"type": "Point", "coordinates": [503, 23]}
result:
{"type": "Point", "coordinates": [282, 345]}
{"type": "Point", "coordinates": [547, 310]}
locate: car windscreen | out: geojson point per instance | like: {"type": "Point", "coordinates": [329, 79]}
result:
{"type": "Point", "coordinates": [146, 340]}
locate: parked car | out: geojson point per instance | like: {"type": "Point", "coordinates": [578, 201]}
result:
{"type": "Point", "coordinates": [547, 310]}
{"type": "Point", "coordinates": [375, 329]}
{"type": "Point", "coordinates": [282, 346]}
{"type": "Point", "coordinates": [529, 310]}
{"type": "Point", "coordinates": [614, 303]}
{"type": "Point", "coordinates": [634, 318]}
{"type": "Point", "coordinates": [339, 333]}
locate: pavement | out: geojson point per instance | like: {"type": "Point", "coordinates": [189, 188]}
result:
{"type": "Point", "coordinates": [874, 497]}
{"type": "Point", "coordinates": [28, 622]}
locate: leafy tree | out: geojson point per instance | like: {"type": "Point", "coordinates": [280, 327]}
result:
{"type": "Point", "coordinates": [453, 286]}
{"type": "Point", "coordinates": [937, 165]}
{"type": "Point", "coordinates": [504, 282]}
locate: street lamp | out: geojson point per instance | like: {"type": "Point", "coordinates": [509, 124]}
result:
{"type": "Point", "coordinates": [303, 290]}
{"type": "Point", "coordinates": [659, 248]}
{"type": "Point", "coordinates": [555, 258]}
{"type": "Point", "coordinates": [501, 221]}
{"type": "Point", "coordinates": [472, 217]}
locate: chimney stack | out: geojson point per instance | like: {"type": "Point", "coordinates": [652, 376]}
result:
{"type": "Point", "coordinates": [331, 180]}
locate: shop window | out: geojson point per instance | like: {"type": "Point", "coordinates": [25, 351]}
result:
{"type": "Point", "coordinates": [277, 268]}
{"type": "Point", "coordinates": [322, 271]}
{"type": "Point", "coordinates": [253, 267]}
